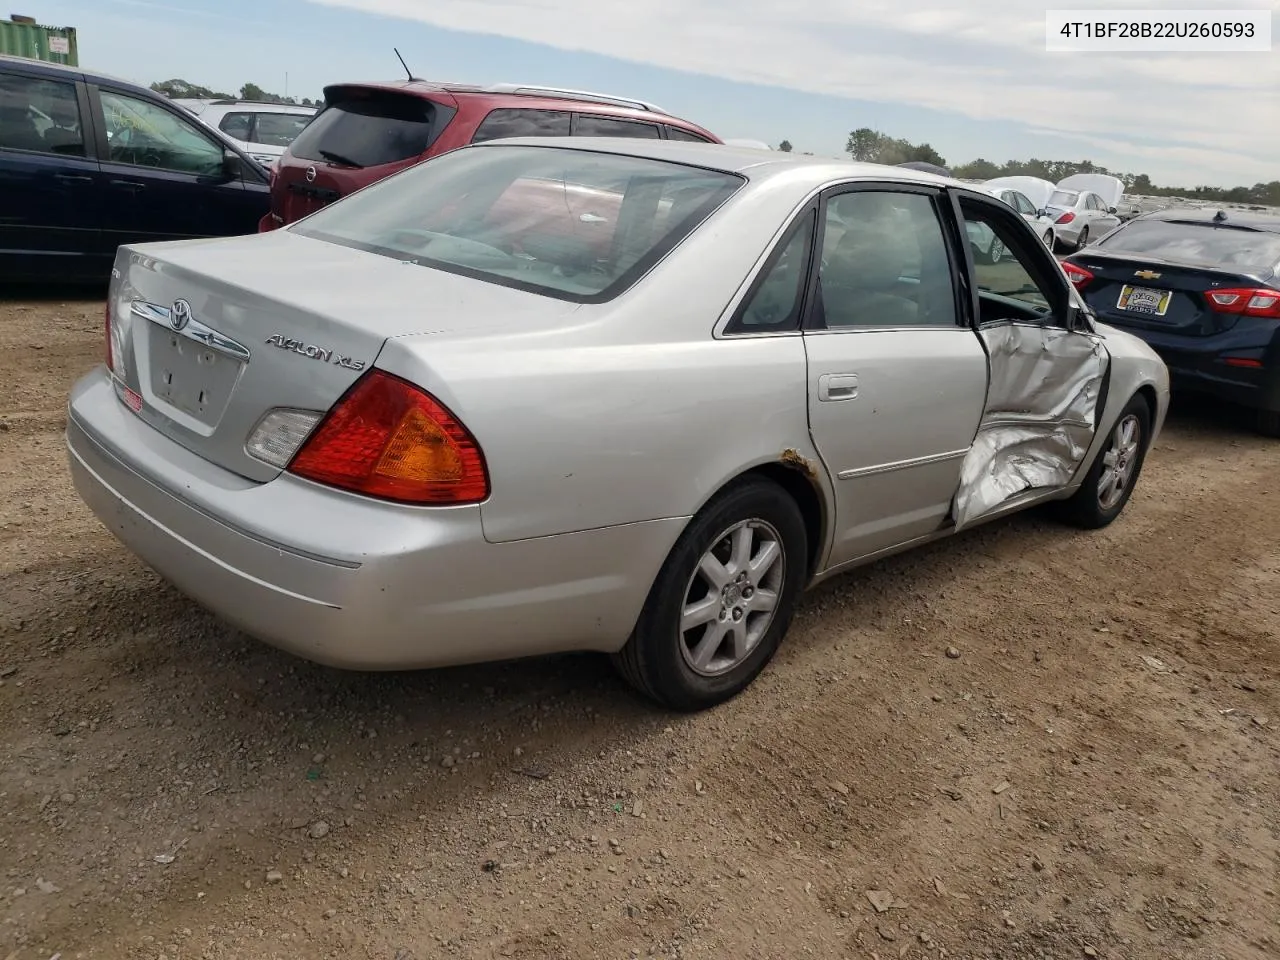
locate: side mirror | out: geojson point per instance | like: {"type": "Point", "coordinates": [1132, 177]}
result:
{"type": "Point", "coordinates": [232, 166]}
{"type": "Point", "coordinates": [1111, 209]}
{"type": "Point", "coordinates": [1042, 212]}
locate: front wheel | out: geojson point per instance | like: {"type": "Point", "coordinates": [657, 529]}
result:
{"type": "Point", "coordinates": [995, 253]}
{"type": "Point", "coordinates": [1048, 239]}
{"type": "Point", "coordinates": [1110, 481]}
{"type": "Point", "coordinates": [1083, 240]}
{"type": "Point", "coordinates": [722, 601]}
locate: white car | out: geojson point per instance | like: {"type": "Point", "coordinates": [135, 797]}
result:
{"type": "Point", "coordinates": [547, 394]}
{"type": "Point", "coordinates": [988, 244]}
{"type": "Point", "coordinates": [262, 130]}
{"type": "Point", "coordinates": [1079, 215]}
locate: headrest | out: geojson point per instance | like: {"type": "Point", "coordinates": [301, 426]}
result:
{"type": "Point", "coordinates": [868, 259]}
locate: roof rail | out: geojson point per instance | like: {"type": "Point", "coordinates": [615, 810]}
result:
{"type": "Point", "coordinates": [569, 94]}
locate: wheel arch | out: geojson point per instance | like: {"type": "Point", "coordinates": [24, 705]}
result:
{"type": "Point", "coordinates": [798, 476]}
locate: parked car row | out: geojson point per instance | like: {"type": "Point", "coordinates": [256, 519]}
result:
{"type": "Point", "coordinates": [92, 162]}
{"type": "Point", "coordinates": [1068, 213]}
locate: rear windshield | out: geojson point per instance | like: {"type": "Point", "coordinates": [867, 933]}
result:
{"type": "Point", "coordinates": [1199, 244]}
{"type": "Point", "coordinates": [279, 129]}
{"type": "Point", "coordinates": [573, 224]}
{"type": "Point", "coordinates": [367, 128]}
{"type": "Point", "coordinates": [1063, 198]}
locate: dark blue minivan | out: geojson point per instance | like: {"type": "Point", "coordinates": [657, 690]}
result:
{"type": "Point", "coordinates": [88, 162]}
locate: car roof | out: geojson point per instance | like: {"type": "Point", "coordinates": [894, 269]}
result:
{"type": "Point", "coordinates": [59, 70]}
{"type": "Point", "coordinates": [1239, 218]}
{"type": "Point", "coordinates": [256, 106]}
{"type": "Point", "coordinates": [542, 99]}
{"type": "Point", "coordinates": [745, 161]}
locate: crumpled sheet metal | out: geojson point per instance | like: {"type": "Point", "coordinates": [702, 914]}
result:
{"type": "Point", "coordinates": [1039, 421]}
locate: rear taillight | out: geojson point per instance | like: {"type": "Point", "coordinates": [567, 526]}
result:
{"type": "Point", "coordinates": [1079, 276]}
{"type": "Point", "coordinates": [386, 438]}
{"type": "Point", "coordinates": [1246, 301]}
{"type": "Point", "coordinates": [1066, 217]}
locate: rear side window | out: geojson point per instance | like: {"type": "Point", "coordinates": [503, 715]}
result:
{"type": "Point", "coordinates": [523, 123]}
{"type": "Point", "coordinates": [279, 129]}
{"type": "Point", "coordinates": [589, 126]}
{"type": "Point", "coordinates": [1198, 244]}
{"type": "Point", "coordinates": [236, 125]}
{"type": "Point", "coordinates": [40, 115]}
{"type": "Point", "coordinates": [675, 133]}
{"type": "Point", "coordinates": [367, 128]}
{"type": "Point", "coordinates": [571, 224]}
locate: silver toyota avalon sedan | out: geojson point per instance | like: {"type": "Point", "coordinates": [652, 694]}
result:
{"type": "Point", "coordinates": [629, 396]}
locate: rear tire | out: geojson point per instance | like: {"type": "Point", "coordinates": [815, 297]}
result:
{"type": "Point", "coordinates": [722, 601]}
{"type": "Point", "coordinates": [1102, 495]}
{"type": "Point", "coordinates": [1268, 423]}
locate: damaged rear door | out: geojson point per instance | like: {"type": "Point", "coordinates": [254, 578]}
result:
{"type": "Point", "coordinates": [1046, 373]}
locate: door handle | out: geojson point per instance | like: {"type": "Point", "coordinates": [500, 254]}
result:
{"type": "Point", "coordinates": [72, 177]}
{"type": "Point", "coordinates": [837, 386]}
{"type": "Point", "coordinates": [128, 184]}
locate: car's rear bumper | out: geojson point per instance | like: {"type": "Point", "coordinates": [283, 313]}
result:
{"type": "Point", "coordinates": [345, 580]}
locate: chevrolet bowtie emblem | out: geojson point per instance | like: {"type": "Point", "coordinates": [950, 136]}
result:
{"type": "Point", "coordinates": [1146, 274]}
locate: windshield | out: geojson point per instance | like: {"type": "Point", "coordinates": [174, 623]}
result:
{"type": "Point", "coordinates": [1063, 198]}
{"type": "Point", "coordinates": [1199, 244]}
{"type": "Point", "coordinates": [574, 224]}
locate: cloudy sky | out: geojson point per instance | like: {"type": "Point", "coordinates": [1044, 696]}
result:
{"type": "Point", "coordinates": [971, 77]}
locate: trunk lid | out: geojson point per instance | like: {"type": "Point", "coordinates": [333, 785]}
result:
{"type": "Point", "coordinates": [1148, 294]}
{"type": "Point", "coordinates": [278, 320]}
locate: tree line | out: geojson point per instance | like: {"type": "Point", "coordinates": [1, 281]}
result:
{"type": "Point", "coordinates": [874, 146]}
{"type": "Point", "coordinates": [178, 89]}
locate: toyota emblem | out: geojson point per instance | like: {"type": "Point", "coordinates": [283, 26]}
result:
{"type": "Point", "coordinates": [180, 314]}
{"type": "Point", "coordinates": [311, 174]}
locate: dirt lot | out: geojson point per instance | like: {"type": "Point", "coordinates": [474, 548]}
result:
{"type": "Point", "coordinates": [1097, 774]}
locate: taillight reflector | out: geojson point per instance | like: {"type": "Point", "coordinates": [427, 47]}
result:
{"type": "Point", "coordinates": [387, 438]}
{"type": "Point", "coordinates": [1078, 276]}
{"type": "Point", "coordinates": [1066, 217]}
{"type": "Point", "coordinates": [1248, 362]}
{"type": "Point", "coordinates": [1246, 301]}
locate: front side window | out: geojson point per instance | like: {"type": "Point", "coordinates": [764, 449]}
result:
{"type": "Point", "coordinates": [279, 129]}
{"type": "Point", "coordinates": [145, 134]}
{"type": "Point", "coordinates": [884, 263]}
{"type": "Point", "coordinates": [590, 126]}
{"type": "Point", "coordinates": [1007, 288]}
{"type": "Point", "coordinates": [503, 123]}
{"type": "Point", "coordinates": [369, 128]}
{"type": "Point", "coordinates": [572, 224]}
{"type": "Point", "coordinates": [42, 116]}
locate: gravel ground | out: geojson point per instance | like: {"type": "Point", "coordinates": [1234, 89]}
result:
{"type": "Point", "coordinates": [1095, 774]}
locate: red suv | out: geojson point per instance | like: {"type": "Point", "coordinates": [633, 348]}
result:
{"type": "Point", "coordinates": [368, 131]}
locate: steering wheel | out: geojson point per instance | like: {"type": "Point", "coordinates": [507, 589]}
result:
{"type": "Point", "coordinates": [462, 243]}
